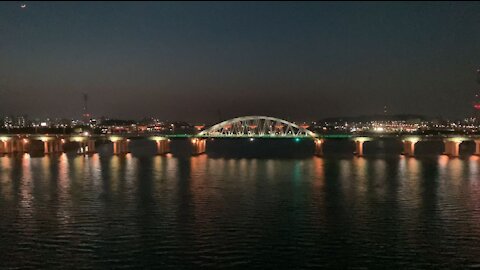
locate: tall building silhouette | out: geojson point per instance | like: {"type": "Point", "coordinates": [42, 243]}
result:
{"type": "Point", "coordinates": [85, 115]}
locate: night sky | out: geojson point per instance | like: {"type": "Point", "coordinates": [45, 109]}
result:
{"type": "Point", "coordinates": [190, 61]}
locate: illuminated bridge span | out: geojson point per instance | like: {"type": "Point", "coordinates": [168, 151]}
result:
{"type": "Point", "coordinates": [256, 126]}
{"type": "Point", "coordinates": [247, 127]}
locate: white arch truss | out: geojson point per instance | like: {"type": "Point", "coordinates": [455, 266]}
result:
{"type": "Point", "coordinates": [256, 126]}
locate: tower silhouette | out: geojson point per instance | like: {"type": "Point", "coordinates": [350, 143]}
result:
{"type": "Point", "coordinates": [86, 115]}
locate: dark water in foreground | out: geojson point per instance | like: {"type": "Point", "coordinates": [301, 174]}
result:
{"type": "Point", "coordinates": [180, 212]}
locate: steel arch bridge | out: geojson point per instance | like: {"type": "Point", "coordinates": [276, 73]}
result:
{"type": "Point", "coordinates": [257, 127]}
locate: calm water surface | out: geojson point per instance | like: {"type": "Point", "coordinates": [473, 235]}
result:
{"type": "Point", "coordinates": [105, 211]}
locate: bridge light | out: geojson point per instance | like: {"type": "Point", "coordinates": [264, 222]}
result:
{"type": "Point", "coordinates": [115, 138]}
{"type": "Point", "coordinates": [158, 138]}
{"type": "Point", "coordinates": [362, 139]}
{"type": "Point", "coordinates": [77, 139]}
{"type": "Point", "coordinates": [297, 140]}
{"type": "Point", "coordinates": [252, 139]}
{"type": "Point", "coordinates": [458, 139]}
{"type": "Point", "coordinates": [414, 140]}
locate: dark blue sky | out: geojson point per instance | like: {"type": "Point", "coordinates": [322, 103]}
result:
{"type": "Point", "coordinates": [187, 61]}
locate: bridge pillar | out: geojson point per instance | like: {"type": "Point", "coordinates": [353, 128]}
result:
{"type": "Point", "coordinates": [18, 145]}
{"type": "Point", "coordinates": [117, 147]}
{"type": "Point", "coordinates": [319, 147]}
{"type": "Point", "coordinates": [409, 148]}
{"type": "Point", "coordinates": [26, 143]}
{"type": "Point", "coordinates": [452, 148]}
{"type": "Point", "coordinates": [47, 147]}
{"type": "Point", "coordinates": [199, 146]}
{"type": "Point", "coordinates": [120, 147]}
{"type": "Point", "coordinates": [477, 148]}
{"type": "Point", "coordinates": [163, 146]}
{"type": "Point", "coordinates": [52, 146]}
{"type": "Point", "coordinates": [359, 148]}
{"type": "Point", "coordinates": [90, 149]}
{"type": "Point", "coordinates": [6, 146]}
{"type": "Point", "coordinates": [359, 141]}
{"type": "Point", "coordinates": [59, 145]}
{"type": "Point", "coordinates": [126, 144]}
{"type": "Point", "coordinates": [82, 148]}
{"type": "Point", "coordinates": [10, 147]}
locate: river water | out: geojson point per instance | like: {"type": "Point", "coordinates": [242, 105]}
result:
{"type": "Point", "coordinates": [182, 212]}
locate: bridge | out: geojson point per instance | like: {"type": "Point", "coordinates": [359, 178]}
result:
{"type": "Point", "coordinates": [256, 127]}
{"type": "Point", "coordinates": [247, 127]}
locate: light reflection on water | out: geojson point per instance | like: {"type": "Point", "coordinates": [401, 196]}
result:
{"type": "Point", "coordinates": [108, 211]}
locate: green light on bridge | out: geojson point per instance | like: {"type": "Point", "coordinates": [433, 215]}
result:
{"type": "Point", "coordinates": [297, 140]}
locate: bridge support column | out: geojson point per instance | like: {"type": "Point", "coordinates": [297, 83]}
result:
{"type": "Point", "coordinates": [6, 146]}
{"type": "Point", "coordinates": [26, 145]}
{"type": "Point", "coordinates": [359, 148]}
{"type": "Point", "coordinates": [58, 148]}
{"type": "Point", "coordinates": [2, 148]}
{"type": "Point", "coordinates": [477, 148]}
{"type": "Point", "coordinates": [18, 145]}
{"type": "Point", "coordinates": [359, 141]}
{"type": "Point", "coordinates": [10, 147]}
{"type": "Point", "coordinates": [120, 147]}
{"type": "Point", "coordinates": [116, 147]}
{"type": "Point", "coordinates": [163, 146]}
{"type": "Point", "coordinates": [409, 148]}
{"type": "Point", "coordinates": [82, 148]}
{"type": "Point", "coordinates": [199, 146]}
{"type": "Point", "coordinates": [52, 146]}
{"type": "Point", "coordinates": [90, 149]}
{"type": "Point", "coordinates": [126, 148]}
{"type": "Point", "coordinates": [452, 148]}
{"type": "Point", "coordinates": [319, 147]}
{"type": "Point", "coordinates": [47, 147]}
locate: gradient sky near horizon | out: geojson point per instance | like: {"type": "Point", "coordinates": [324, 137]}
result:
{"type": "Point", "coordinates": [190, 61]}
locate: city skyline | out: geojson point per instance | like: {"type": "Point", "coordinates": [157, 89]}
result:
{"type": "Point", "coordinates": [194, 61]}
